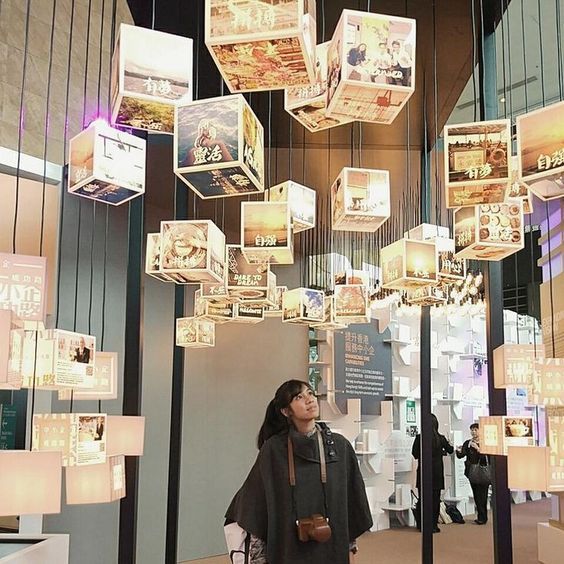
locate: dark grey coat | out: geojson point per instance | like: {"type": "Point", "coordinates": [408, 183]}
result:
{"type": "Point", "coordinates": [263, 506]}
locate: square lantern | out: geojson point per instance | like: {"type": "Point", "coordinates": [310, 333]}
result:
{"type": "Point", "coordinates": [307, 103]}
{"type": "Point", "coordinates": [370, 67]}
{"type": "Point", "coordinates": [207, 310]}
{"type": "Point", "coordinates": [248, 313]}
{"type": "Point", "coordinates": [246, 281]}
{"type": "Point", "coordinates": [330, 322]}
{"type": "Point", "coordinates": [269, 297]}
{"type": "Point", "coordinates": [64, 359]}
{"type": "Point", "coordinates": [105, 380]}
{"type": "Point", "coordinates": [303, 305]}
{"type": "Point", "coordinates": [219, 147]}
{"type": "Point", "coordinates": [409, 264]}
{"type": "Point", "coordinates": [30, 483]}
{"type": "Point", "coordinates": [194, 333]}
{"type": "Point", "coordinates": [216, 292]}
{"type": "Point", "coordinates": [301, 201]}
{"type": "Point", "coordinates": [126, 435]}
{"type": "Point", "coordinates": [451, 268]}
{"type": "Point", "coordinates": [499, 432]}
{"type": "Point", "coordinates": [80, 437]}
{"type": "Point", "coordinates": [427, 295]}
{"type": "Point", "coordinates": [192, 251]}
{"type": "Point", "coordinates": [514, 365]}
{"type": "Point", "coordinates": [11, 350]}
{"type": "Point", "coordinates": [153, 258]}
{"type": "Point", "coordinates": [276, 309]}
{"type": "Point", "coordinates": [151, 72]}
{"type": "Point", "coordinates": [360, 199]}
{"type": "Point", "coordinates": [266, 232]}
{"type": "Point", "coordinates": [518, 189]}
{"type": "Point", "coordinates": [427, 232]}
{"type": "Point", "coordinates": [262, 44]}
{"type": "Point", "coordinates": [555, 440]}
{"type": "Point", "coordinates": [97, 483]}
{"type": "Point", "coordinates": [477, 163]}
{"type": "Point", "coordinates": [489, 232]}
{"type": "Point", "coordinates": [529, 469]}
{"type": "Point", "coordinates": [106, 164]}
{"type": "Point", "coordinates": [23, 287]}
{"type": "Point", "coordinates": [548, 382]}
{"type": "Point", "coordinates": [351, 304]}
{"type": "Point", "coordinates": [540, 149]}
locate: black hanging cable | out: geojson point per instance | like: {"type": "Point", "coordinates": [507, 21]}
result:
{"type": "Point", "coordinates": [20, 128]}
{"type": "Point", "coordinates": [438, 201]}
{"type": "Point", "coordinates": [269, 140]}
{"type": "Point", "coordinates": [104, 272]}
{"type": "Point", "coordinates": [541, 69]}
{"type": "Point", "coordinates": [474, 61]}
{"type": "Point", "coordinates": [100, 59]}
{"type": "Point", "coordinates": [503, 61]}
{"type": "Point", "coordinates": [112, 46]}
{"type": "Point", "coordinates": [153, 16]}
{"type": "Point", "coordinates": [86, 64]}
{"type": "Point", "coordinates": [91, 280]}
{"type": "Point", "coordinates": [524, 55]}
{"type": "Point", "coordinates": [550, 285]}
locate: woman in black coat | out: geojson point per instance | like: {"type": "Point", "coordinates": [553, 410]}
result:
{"type": "Point", "coordinates": [268, 506]}
{"type": "Point", "coordinates": [471, 450]}
{"type": "Point", "coordinates": [441, 447]}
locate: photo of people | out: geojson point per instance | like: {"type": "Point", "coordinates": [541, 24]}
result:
{"type": "Point", "coordinates": [380, 49]}
{"type": "Point", "coordinates": [75, 347]}
{"type": "Point", "coordinates": [91, 444]}
{"type": "Point", "coordinates": [478, 152]}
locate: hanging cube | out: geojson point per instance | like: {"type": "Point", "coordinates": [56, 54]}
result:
{"type": "Point", "coordinates": [303, 305]}
{"type": "Point", "coordinates": [23, 288]}
{"type": "Point", "coordinates": [301, 201]}
{"type": "Point", "coordinates": [194, 333]}
{"type": "Point", "coordinates": [408, 264]}
{"type": "Point", "coordinates": [307, 103]}
{"type": "Point", "coordinates": [548, 382]}
{"type": "Point", "coordinates": [192, 251]}
{"type": "Point", "coordinates": [427, 295]}
{"type": "Point", "coordinates": [477, 163]}
{"type": "Point", "coordinates": [207, 310]}
{"type": "Point", "coordinates": [80, 437]}
{"type": "Point", "coordinates": [499, 432]}
{"type": "Point", "coordinates": [269, 297]}
{"type": "Point", "coordinates": [427, 232]}
{"type": "Point", "coordinates": [360, 199]}
{"type": "Point", "coordinates": [266, 232]}
{"type": "Point", "coordinates": [276, 309]}
{"type": "Point", "coordinates": [518, 189]}
{"type": "Point", "coordinates": [370, 67]}
{"type": "Point", "coordinates": [329, 322]}
{"type": "Point", "coordinates": [351, 304]}
{"type": "Point", "coordinates": [245, 281]}
{"type": "Point", "coordinates": [489, 232]}
{"type": "Point", "coordinates": [151, 73]}
{"type": "Point", "coordinates": [530, 469]}
{"type": "Point", "coordinates": [351, 276]}
{"type": "Point", "coordinates": [514, 364]}
{"type": "Point", "coordinates": [126, 435]}
{"type": "Point", "coordinates": [262, 44]}
{"type": "Point", "coordinates": [555, 440]}
{"type": "Point", "coordinates": [540, 149]}
{"type": "Point", "coordinates": [11, 350]}
{"type": "Point", "coordinates": [248, 313]}
{"type": "Point", "coordinates": [153, 258]}
{"type": "Point", "coordinates": [106, 164]}
{"type": "Point", "coordinates": [219, 147]}
{"type": "Point", "coordinates": [97, 483]}
{"type": "Point", "coordinates": [217, 292]}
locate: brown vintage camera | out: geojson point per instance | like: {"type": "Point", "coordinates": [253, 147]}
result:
{"type": "Point", "coordinates": [315, 528]}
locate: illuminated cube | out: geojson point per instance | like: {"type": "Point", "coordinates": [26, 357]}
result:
{"type": "Point", "coordinates": [408, 264]}
{"type": "Point", "coordinates": [301, 201]}
{"type": "Point", "coordinates": [477, 163]}
{"type": "Point", "coordinates": [555, 440]}
{"type": "Point", "coordinates": [514, 365]}
{"type": "Point", "coordinates": [126, 435]}
{"type": "Point", "coordinates": [276, 309]}
{"type": "Point", "coordinates": [330, 322]}
{"type": "Point", "coordinates": [192, 251]}
{"type": "Point", "coordinates": [248, 313]}
{"type": "Point", "coordinates": [528, 468]}
{"type": "Point", "coordinates": [262, 44]}
{"type": "Point", "coordinates": [106, 164]}
{"type": "Point", "coordinates": [427, 232]}
{"type": "Point", "coordinates": [153, 258]}
{"type": "Point", "coordinates": [209, 311]}
{"type": "Point", "coordinates": [307, 103]}
{"type": "Point", "coordinates": [370, 67]}
{"type": "Point", "coordinates": [151, 72]}
{"type": "Point", "coordinates": [451, 268]}
{"type": "Point", "coordinates": [219, 147]}
{"type": "Point", "coordinates": [352, 276]}
{"type": "Point", "coordinates": [351, 304]}
{"type": "Point", "coordinates": [303, 305]}
{"type": "Point", "coordinates": [489, 232]}
{"type": "Point", "coordinates": [499, 432]}
{"type": "Point", "coordinates": [518, 189]}
{"type": "Point", "coordinates": [540, 149]}
{"type": "Point", "coordinates": [548, 382]}
{"type": "Point", "coordinates": [427, 295]}
{"type": "Point", "coordinates": [245, 281]}
{"type": "Point", "coordinates": [266, 232]}
{"type": "Point", "coordinates": [79, 437]}
{"type": "Point", "coordinates": [216, 292]}
{"type": "Point", "coordinates": [11, 341]}
{"type": "Point", "coordinates": [360, 199]}
{"type": "Point", "coordinates": [192, 332]}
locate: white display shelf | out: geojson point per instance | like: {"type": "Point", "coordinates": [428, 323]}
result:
{"type": "Point", "coordinates": [447, 400]}
{"type": "Point", "coordinates": [474, 356]}
{"type": "Point", "coordinates": [396, 507]}
{"type": "Point", "coordinates": [398, 342]}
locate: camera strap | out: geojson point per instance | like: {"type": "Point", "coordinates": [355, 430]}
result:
{"type": "Point", "coordinates": [292, 472]}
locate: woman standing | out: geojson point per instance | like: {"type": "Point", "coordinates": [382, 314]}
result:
{"type": "Point", "coordinates": [477, 471]}
{"type": "Point", "coordinates": [441, 447]}
{"type": "Point", "coordinates": [304, 500]}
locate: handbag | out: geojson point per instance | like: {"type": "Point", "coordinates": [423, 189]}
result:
{"type": "Point", "coordinates": [479, 474]}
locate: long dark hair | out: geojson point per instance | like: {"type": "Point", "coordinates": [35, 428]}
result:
{"type": "Point", "coordinates": [274, 420]}
{"type": "Point", "coordinates": [436, 435]}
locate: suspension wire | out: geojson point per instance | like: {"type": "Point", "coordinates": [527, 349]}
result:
{"type": "Point", "coordinates": [101, 56]}
{"type": "Point", "coordinates": [524, 56]}
{"type": "Point", "coordinates": [474, 61]}
{"type": "Point", "coordinates": [438, 191]}
{"type": "Point", "coordinates": [86, 64]}
{"type": "Point", "coordinates": [503, 60]}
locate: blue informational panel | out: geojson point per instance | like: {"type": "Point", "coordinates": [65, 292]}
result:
{"type": "Point", "coordinates": [363, 366]}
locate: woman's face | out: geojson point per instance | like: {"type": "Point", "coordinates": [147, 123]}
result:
{"type": "Point", "coordinates": [304, 406]}
{"type": "Point", "coordinates": [475, 433]}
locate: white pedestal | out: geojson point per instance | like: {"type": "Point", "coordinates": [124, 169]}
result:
{"type": "Point", "coordinates": [550, 544]}
{"type": "Point", "coordinates": [34, 549]}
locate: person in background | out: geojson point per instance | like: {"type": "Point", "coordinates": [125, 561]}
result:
{"type": "Point", "coordinates": [441, 447]}
{"type": "Point", "coordinates": [471, 450]}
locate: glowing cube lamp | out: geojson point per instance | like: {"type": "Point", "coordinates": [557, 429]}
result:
{"type": "Point", "coordinates": [153, 258]}
{"type": "Point", "coordinates": [192, 332]}
{"type": "Point", "coordinates": [514, 365]}
{"type": "Point", "coordinates": [330, 322]}
{"type": "Point", "coordinates": [247, 282]}
{"type": "Point", "coordinates": [301, 201]}
{"type": "Point", "coordinates": [303, 305]}
{"type": "Point", "coordinates": [351, 304]}
{"type": "Point", "coordinates": [126, 435]}
{"type": "Point", "coordinates": [548, 382]}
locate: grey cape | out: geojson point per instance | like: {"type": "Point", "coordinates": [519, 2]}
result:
{"type": "Point", "coordinates": [263, 506]}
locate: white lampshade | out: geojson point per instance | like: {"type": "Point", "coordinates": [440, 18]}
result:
{"type": "Point", "coordinates": [125, 435]}
{"type": "Point", "coordinates": [97, 483]}
{"type": "Point", "coordinates": [30, 482]}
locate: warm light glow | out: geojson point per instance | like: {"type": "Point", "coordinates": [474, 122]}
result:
{"type": "Point", "coordinates": [126, 435]}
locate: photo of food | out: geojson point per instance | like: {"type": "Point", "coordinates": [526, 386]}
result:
{"type": "Point", "coordinates": [501, 223]}
{"type": "Point", "coordinates": [253, 143]}
{"type": "Point", "coordinates": [379, 49]}
{"type": "Point", "coordinates": [463, 195]}
{"type": "Point", "coordinates": [518, 427]}
{"type": "Point", "coordinates": [478, 152]}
